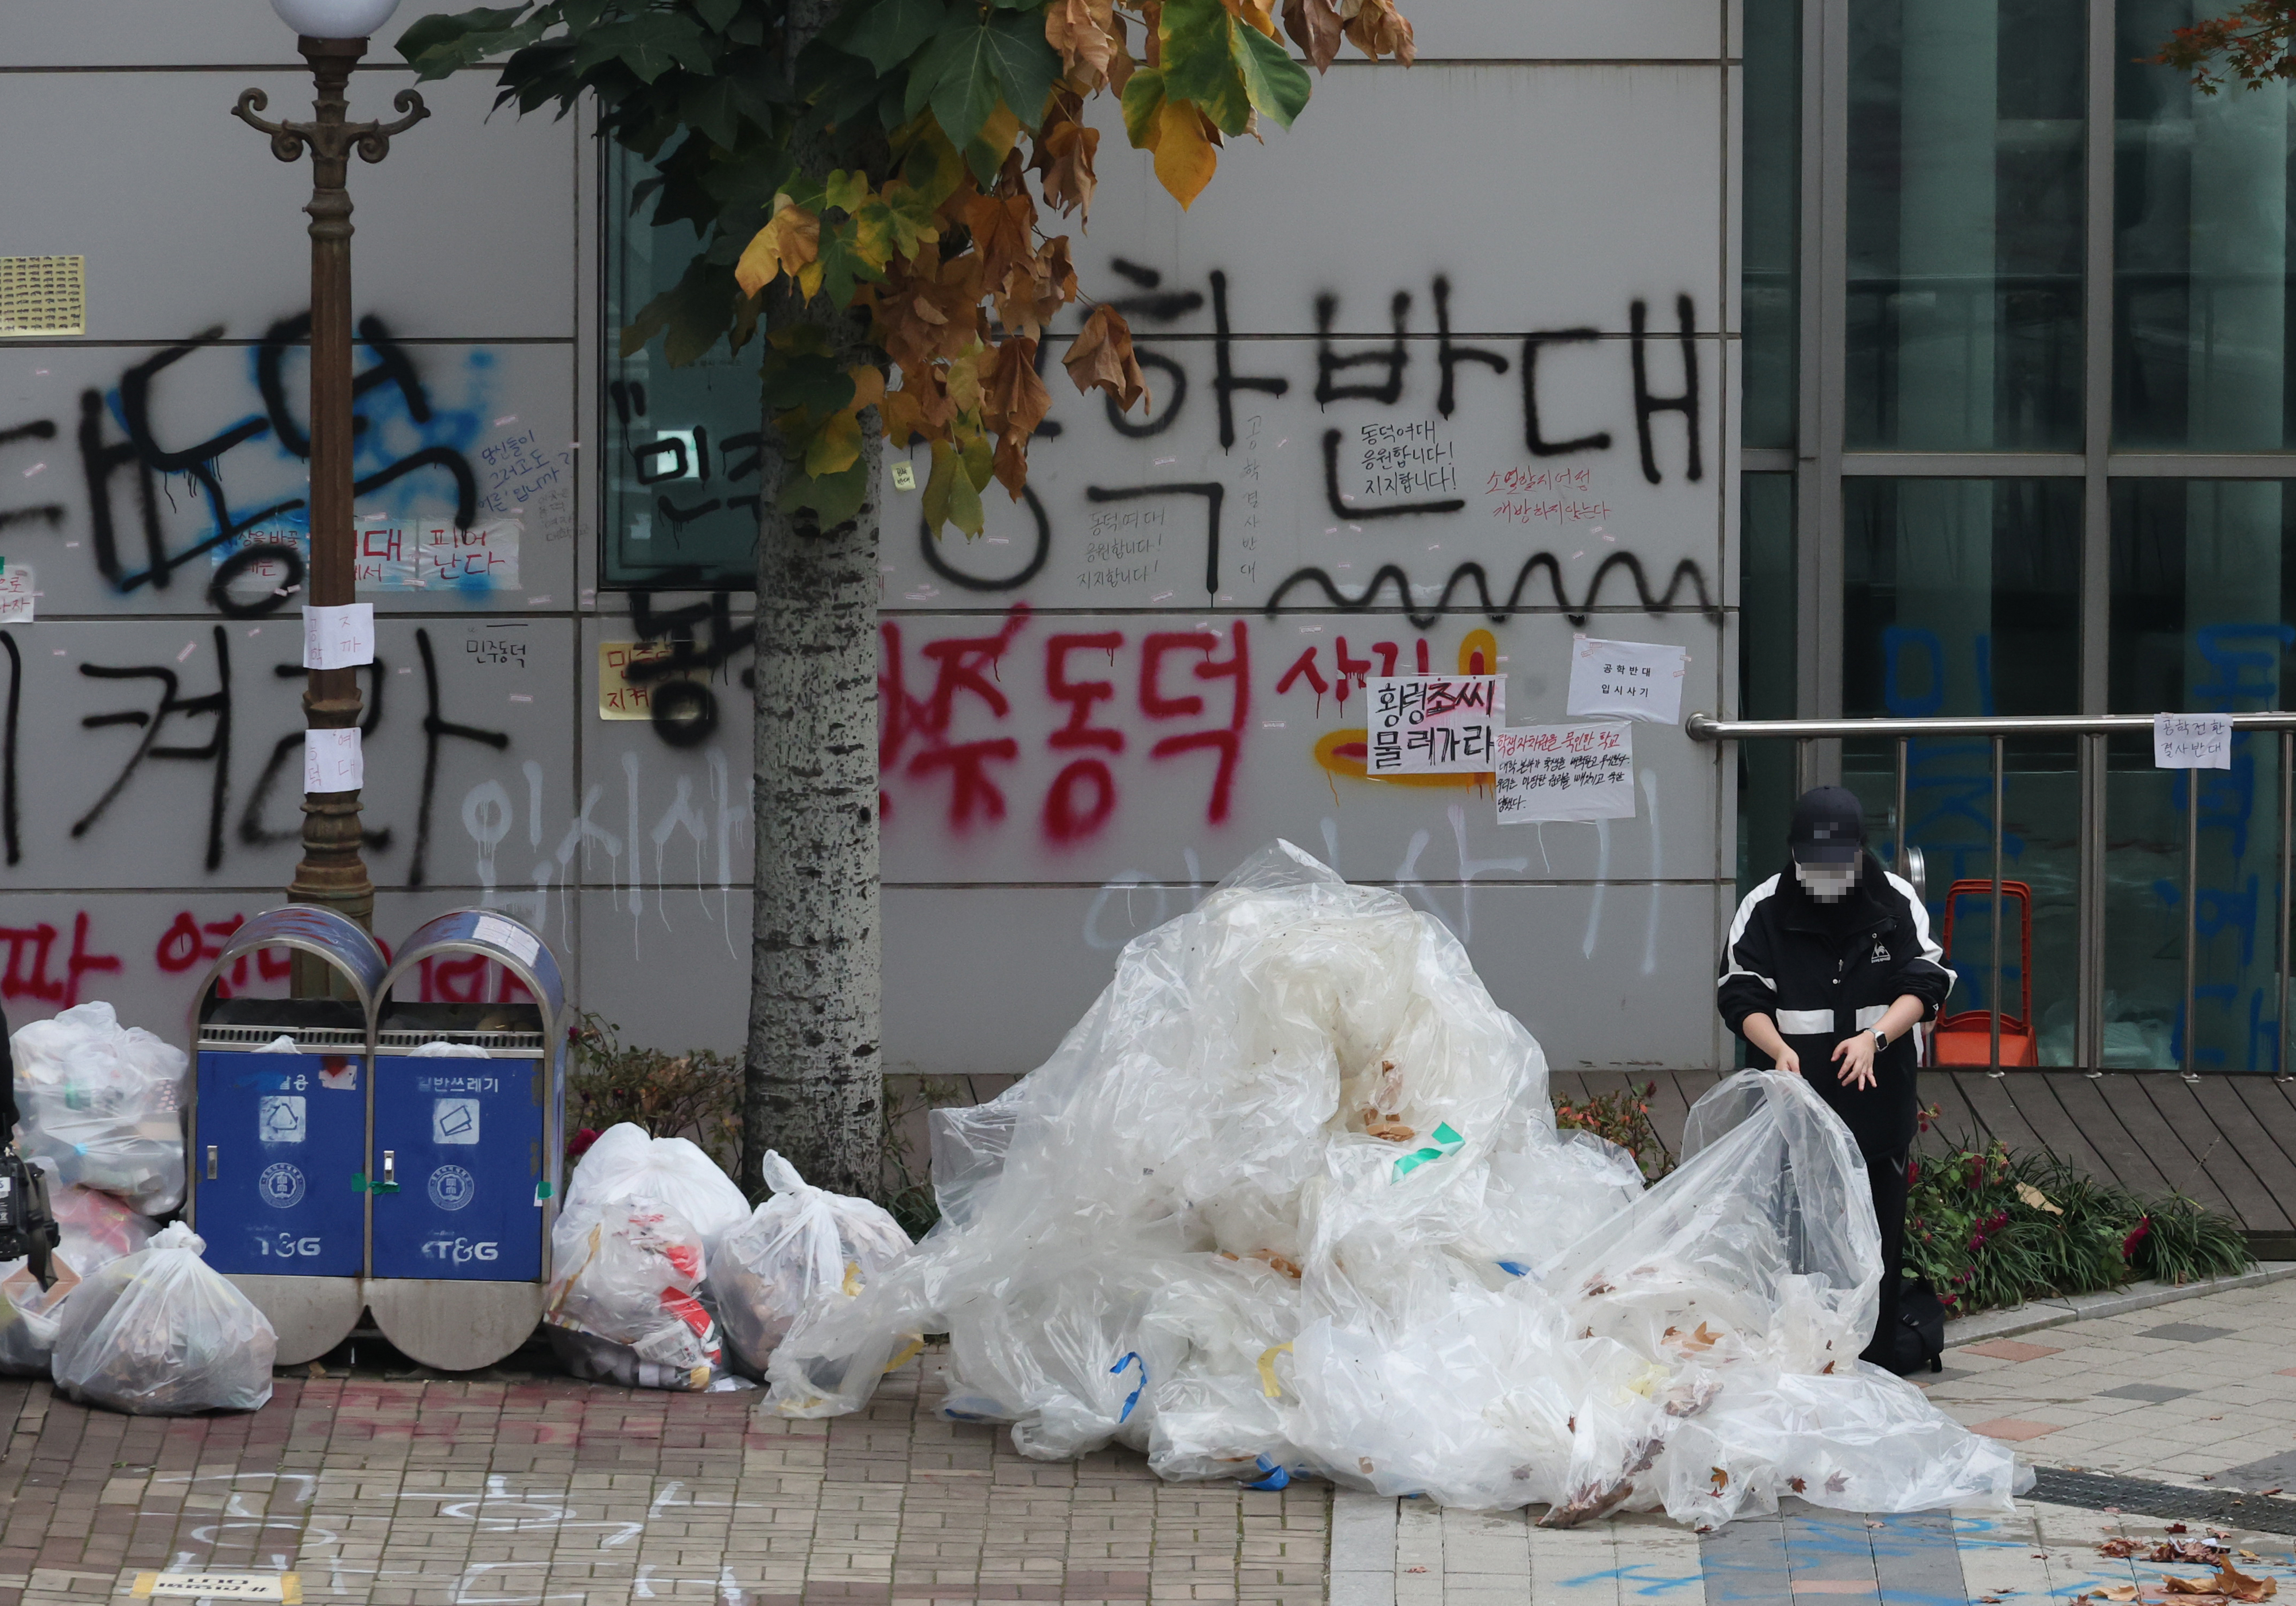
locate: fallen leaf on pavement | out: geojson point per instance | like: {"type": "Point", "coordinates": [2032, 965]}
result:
{"type": "Point", "coordinates": [2118, 1548]}
{"type": "Point", "coordinates": [2178, 1527]}
{"type": "Point", "coordinates": [2275, 1490]}
{"type": "Point", "coordinates": [1415, 1569]}
{"type": "Point", "coordinates": [2120, 1592]}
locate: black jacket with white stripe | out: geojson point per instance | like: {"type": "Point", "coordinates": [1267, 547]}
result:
{"type": "Point", "coordinates": [1824, 974]}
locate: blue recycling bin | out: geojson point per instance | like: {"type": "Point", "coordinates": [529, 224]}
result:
{"type": "Point", "coordinates": [277, 1130]}
{"type": "Point", "coordinates": [466, 1149]}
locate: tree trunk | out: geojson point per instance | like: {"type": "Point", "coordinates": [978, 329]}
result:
{"type": "Point", "coordinates": [814, 1084]}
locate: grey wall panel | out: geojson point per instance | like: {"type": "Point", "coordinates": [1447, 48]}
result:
{"type": "Point", "coordinates": [1587, 182]}
{"type": "Point", "coordinates": [986, 982]}
{"type": "Point", "coordinates": [177, 32]}
{"type": "Point", "coordinates": [653, 812]}
{"type": "Point", "coordinates": [161, 33]}
{"type": "Point", "coordinates": [467, 230]}
{"type": "Point", "coordinates": [668, 965]}
{"type": "Point", "coordinates": [131, 476]}
{"type": "Point", "coordinates": [1549, 31]}
{"type": "Point", "coordinates": [1161, 772]}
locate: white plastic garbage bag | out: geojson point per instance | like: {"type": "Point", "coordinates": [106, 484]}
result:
{"type": "Point", "coordinates": [157, 1332]}
{"type": "Point", "coordinates": [1290, 1198]}
{"type": "Point", "coordinates": [629, 1254]}
{"type": "Point", "coordinates": [622, 1308]}
{"type": "Point", "coordinates": [97, 1230]}
{"type": "Point", "coordinates": [803, 1247]}
{"type": "Point", "coordinates": [102, 1101]}
{"type": "Point", "coordinates": [625, 1160]}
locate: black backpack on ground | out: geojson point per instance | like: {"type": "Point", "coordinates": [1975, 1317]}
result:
{"type": "Point", "coordinates": [1920, 1330]}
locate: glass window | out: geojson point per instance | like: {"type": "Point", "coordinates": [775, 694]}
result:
{"type": "Point", "coordinates": [1962, 596]}
{"type": "Point", "coordinates": [2200, 251]}
{"type": "Point", "coordinates": [1965, 212]}
{"type": "Point", "coordinates": [2203, 620]}
{"type": "Point", "coordinates": [1770, 225]}
{"type": "Point", "coordinates": [682, 463]}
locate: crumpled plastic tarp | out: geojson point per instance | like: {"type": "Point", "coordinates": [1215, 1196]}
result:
{"type": "Point", "coordinates": [802, 1248]}
{"type": "Point", "coordinates": [1289, 1199]}
{"type": "Point", "coordinates": [628, 1256]}
{"type": "Point", "coordinates": [158, 1332]}
{"type": "Point", "coordinates": [104, 1101]}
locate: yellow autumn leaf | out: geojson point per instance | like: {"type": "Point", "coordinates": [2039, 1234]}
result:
{"type": "Point", "coordinates": [868, 386]}
{"type": "Point", "coordinates": [788, 244]}
{"type": "Point", "coordinates": [835, 447]}
{"type": "Point", "coordinates": [1184, 158]}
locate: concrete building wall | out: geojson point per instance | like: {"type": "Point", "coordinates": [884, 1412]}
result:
{"type": "Point", "coordinates": [1548, 174]}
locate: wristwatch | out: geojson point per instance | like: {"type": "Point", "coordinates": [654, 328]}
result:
{"type": "Point", "coordinates": [1881, 1040]}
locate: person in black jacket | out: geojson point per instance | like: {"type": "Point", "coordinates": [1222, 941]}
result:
{"type": "Point", "coordinates": [1828, 967]}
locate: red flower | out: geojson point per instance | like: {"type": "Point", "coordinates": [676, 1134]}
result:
{"type": "Point", "coordinates": [2136, 1235]}
{"type": "Point", "coordinates": [580, 1143]}
{"type": "Point", "coordinates": [1913, 1172]}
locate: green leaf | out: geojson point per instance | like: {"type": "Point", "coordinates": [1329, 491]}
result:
{"type": "Point", "coordinates": [648, 45]}
{"type": "Point", "coordinates": [1143, 98]}
{"type": "Point", "coordinates": [843, 263]}
{"type": "Point", "coordinates": [1200, 62]}
{"type": "Point", "coordinates": [890, 32]}
{"type": "Point", "coordinates": [848, 191]}
{"type": "Point", "coordinates": [713, 109]}
{"type": "Point", "coordinates": [815, 383]}
{"type": "Point", "coordinates": [436, 46]}
{"type": "Point", "coordinates": [833, 497]}
{"type": "Point", "coordinates": [718, 14]}
{"type": "Point", "coordinates": [1278, 85]}
{"type": "Point", "coordinates": [972, 63]}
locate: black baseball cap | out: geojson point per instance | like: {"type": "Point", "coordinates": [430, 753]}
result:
{"type": "Point", "coordinates": [1829, 827]}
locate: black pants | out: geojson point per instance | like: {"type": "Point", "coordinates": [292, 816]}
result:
{"type": "Point", "coordinates": [1887, 1174]}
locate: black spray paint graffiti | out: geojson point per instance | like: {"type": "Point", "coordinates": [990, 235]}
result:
{"type": "Point", "coordinates": [1472, 575]}
{"type": "Point", "coordinates": [253, 830]}
{"type": "Point", "coordinates": [684, 710]}
{"type": "Point", "coordinates": [129, 545]}
{"type": "Point", "coordinates": [1379, 376]}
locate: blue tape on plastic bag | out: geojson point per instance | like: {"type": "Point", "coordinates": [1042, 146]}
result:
{"type": "Point", "coordinates": [1131, 1358]}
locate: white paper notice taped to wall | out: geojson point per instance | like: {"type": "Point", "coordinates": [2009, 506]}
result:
{"type": "Point", "coordinates": [18, 600]}
{"type": "Point", "coordinates": [2192, 741]}
{"type": "Point", "coordinates": [1433, 724]}
{"type": "Point", "coordinates": [339, 638]}
{"type": "Point", "coordinates": [1566, 772]}
{"type": "Point", "coordinates": [1630, 680]}
{"type": "Point", "coordinates": [331, 761]}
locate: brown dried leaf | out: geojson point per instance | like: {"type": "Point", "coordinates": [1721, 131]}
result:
{"type": "Point", "coordinates": [2120, 1592]}
{"type": "Point", "coordinates": [1315, 28]}
{"type": "Point", "coordinates": [2119, 1547]}
{"type": "Point", "coordinates": [1798, 1484]}
{"type": "Point", "coordinates": [1084, 33]}
{"type": "Point", "coordinates": [1064, 156]}
{"type": "Point", "coordinates": [1102, 357]}
{"type": "Point", "coordinates": [1001, 229]}
{"type": "Point", "coordinates": [1380, 30]}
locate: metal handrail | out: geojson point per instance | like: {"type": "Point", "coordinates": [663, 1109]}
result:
{"type": "Point", "coordinates": [2092, 729]}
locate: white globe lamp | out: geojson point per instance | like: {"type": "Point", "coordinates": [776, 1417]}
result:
{"type": "Point", "coordinates": [334, 19]}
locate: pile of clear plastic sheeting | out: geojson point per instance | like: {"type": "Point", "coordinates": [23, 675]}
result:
{"type": "Point", "coordinates": [1289, 1199]}
{"type": "Point", "coordinates": [102, 1102]}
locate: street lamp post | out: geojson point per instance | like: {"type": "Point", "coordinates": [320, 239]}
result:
{"type": "Point", "coordinates": [333, 35]}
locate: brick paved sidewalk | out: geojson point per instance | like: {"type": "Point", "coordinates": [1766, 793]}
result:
{"type": "Point", "coordinates": [491, 1494]}
{"type": "Point", "coordinates": [496, 1493]}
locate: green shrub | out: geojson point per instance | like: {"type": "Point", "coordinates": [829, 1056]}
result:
{"type": "Point", "coordinates": [1624, 1118]}
{"type": "Point", "coordinates": [696, 1094]}
{"type": "Point", "coordinates": [1988, 1228]}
